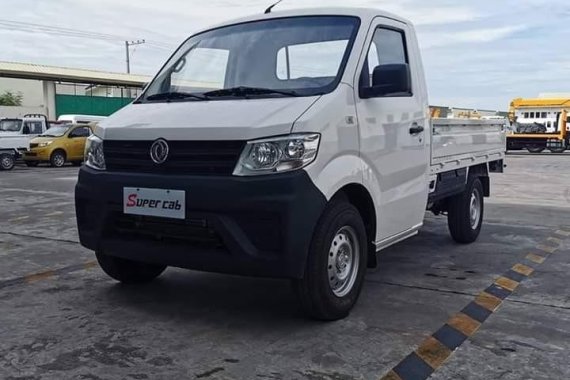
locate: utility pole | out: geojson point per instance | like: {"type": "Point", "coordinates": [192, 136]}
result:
{"type": "Point", "coordinates": [127, 45]}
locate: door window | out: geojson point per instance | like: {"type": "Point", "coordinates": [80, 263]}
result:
{"type": "Point", "coordinates": [80, 132]}
{"type": "Point", "coordinates": [388, 47]}
{"type": "Point", "coordinates": [32, 128]}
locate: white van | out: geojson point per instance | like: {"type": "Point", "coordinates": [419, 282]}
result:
{"type": "Point", "coordinates": [293, 145]}
{"type": "Point", "coordinates": [80, 119]}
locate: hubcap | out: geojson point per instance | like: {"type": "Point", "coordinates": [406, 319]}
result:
{"type": "Point", "coordinates": [59, 160]}
{"type": "Point", "coordinates": [343, 262]}
{"type": "Point", "coordinates": [6, 162]}
{"type": "Point", "coordinates": [475, 209]}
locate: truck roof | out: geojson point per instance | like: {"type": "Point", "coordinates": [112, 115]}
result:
{"type": "Point", "coordinates": [365, 14]}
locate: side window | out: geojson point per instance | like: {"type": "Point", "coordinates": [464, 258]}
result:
{"type": "Point", "coordinates": [35, 128]}
{"type": "Point", "coordinates": [80, 132]}
{"type": "Point", "coordinates": [312, 60]}
{"type": "Point", "coordinates": [387, 70]}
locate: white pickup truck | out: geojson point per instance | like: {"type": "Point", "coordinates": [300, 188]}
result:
{"type": "Point", "coordinates": [291, 145]}
{"type": "Point", "coordinates": [16, 134]}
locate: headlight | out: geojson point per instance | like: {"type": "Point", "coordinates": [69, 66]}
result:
{"type": "Point", "coordinates": [94, 157]}
{"type": "Point", "coordinates": [278, 155]}
{"type": "Point", "coordinates": [44, 144]}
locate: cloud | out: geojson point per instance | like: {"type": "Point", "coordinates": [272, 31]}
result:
{"type": "Point", "coordinates": [476, 53]}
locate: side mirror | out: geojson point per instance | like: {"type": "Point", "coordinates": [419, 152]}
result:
{"type": "Point", "coordinates": [389, 80]}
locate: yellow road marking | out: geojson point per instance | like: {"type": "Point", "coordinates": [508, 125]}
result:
{"type": "Point", "coordinates": [391, 376]}
{"type": "Point", "coordinates": [547, 248]}
{"type": "Point", "coordinates": [563, 233]}
{"type": "Point", "coordinates": [55, 213]}
{"type": "Point", "coordinates": [20, 218]}
{"type": "Point", "coordinates": [488, 301]}
{"type": "Point", "coordinates": [555, 240]}
{"type": "Point", "coordinates": [90, 265]}
{"type": "Point", "coordinates": [465, 324]}
{"type": "Point", "coordinates": [523, 269]}
{"type": "Point", "coordinates": [433, 352]}
{"type": "Point", "coordinates": [536, 258]}
{"type": "Point", "coordinates": [506, 283]}
{"type": "Point", "coordinates": [39, 276]}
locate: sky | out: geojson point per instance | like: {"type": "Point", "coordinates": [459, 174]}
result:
{"type": "Point", "coordinates": [478, 54]}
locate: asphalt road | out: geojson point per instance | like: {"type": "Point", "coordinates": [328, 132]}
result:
{"type": "Point", "coordinates": [62, 318]}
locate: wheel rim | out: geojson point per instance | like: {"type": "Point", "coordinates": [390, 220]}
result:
{"type": "Point", "coordinates": [344, 261]}
{"type": "Point", "coordinates": [475, 209]}
{"type": "Point", "coordinates": [59, 160]}
{"type": "Point", "coordinates": [6, 162]}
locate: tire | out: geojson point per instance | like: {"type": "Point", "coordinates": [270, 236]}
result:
{"type": "Point", "coordinates": [557, 150]}
{"type": "Point", "coordinates": [32, 164]}
{"type": "Point", "coordinates": [336, 264]}
{"type": "Point", "coordinates": [535, 149]}
{"type": "Point", "coordinates": [465, 213]}
{"type": "Point", "coordinates": [7, 161]}
{"type": "Point", "coordinates": [128, 271]}
{"type": "Point", "coordinates": [57, 159]}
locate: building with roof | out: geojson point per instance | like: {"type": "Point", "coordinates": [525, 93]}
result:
{"type": "Point", "coordinates": [54, 91]}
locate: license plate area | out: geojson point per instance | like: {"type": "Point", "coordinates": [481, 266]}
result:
{"type": "Point", "coordinates": [160, 203]}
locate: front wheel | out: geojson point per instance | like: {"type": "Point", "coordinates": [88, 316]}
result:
{"type": "Point", "coordinates": [336, 264]}
{"type": "Point", "coordinates": [128, 271]}
{"type": "Point", "coordinates": [465, 213]}
{"type": "Point", "coordinates": [7, 161]}
{"type": "Point", "coordinates": [57, 159]}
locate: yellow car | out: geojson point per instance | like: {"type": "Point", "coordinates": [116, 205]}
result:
{"type": "Point", "coordinates": [58, 145]}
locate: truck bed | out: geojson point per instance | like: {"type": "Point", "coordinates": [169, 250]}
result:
{"type": "Point", "coordinates": [460, 143]}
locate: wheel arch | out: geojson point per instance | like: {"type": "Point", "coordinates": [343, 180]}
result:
{"type": "Point", "coordinates": [482, 172]}
{"type": "Point", "coordinates": [360, 197]}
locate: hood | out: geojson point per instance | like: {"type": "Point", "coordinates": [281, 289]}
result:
{"type": "Point", "coordinates": [38, 140]}
{"type": "Point", "coordinates": [240, 119]}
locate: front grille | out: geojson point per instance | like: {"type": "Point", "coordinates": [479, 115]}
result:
{"type": "Point", "coordinates": [185, 157]}
{"type": "Point", "coordinates": [194, 232]}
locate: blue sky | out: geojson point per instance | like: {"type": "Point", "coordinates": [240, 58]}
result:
{"type": "Point", "coordinates": [478, 54]}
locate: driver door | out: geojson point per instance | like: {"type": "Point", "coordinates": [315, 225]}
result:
{"type": "Point", "coordinates": [394, 131]}
{"type": "Point", "coordinates": [77, 138]}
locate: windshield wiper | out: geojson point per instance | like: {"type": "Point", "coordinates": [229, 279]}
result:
{"type": "Point", "coordinates": [243, 91]}
{"type": "Point", "coordinates": [175, 96]}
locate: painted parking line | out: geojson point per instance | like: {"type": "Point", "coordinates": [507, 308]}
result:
{"type": "Point", "coordinates": [56, 213]}
{"type": "Point", "coordinates": [46, 275]}
{"type": "Point", "coordinates": [19, 219]}
{"type": "Point", "coordinates": [434, 352]}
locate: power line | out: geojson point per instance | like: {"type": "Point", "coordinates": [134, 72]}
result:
{"type": "Point", "coordinates": [69, 32]}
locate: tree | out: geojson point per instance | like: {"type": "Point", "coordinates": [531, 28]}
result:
{"type": "Point", "coordinates": [8, 98]}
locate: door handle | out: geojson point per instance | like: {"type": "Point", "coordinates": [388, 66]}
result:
{"type": "Point", "coordinates": [416, 129]}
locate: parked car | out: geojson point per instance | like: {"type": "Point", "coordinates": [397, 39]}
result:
{"type": "Point", "coordinates": [299, 152]}
{"type": "Point", "coordinates": [58, 145]}
{"type": "Point", "coordinates": [15, 137]}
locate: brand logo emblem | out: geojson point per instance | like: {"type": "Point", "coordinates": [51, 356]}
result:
{"type": "Point", "coordinates": [159, 151]}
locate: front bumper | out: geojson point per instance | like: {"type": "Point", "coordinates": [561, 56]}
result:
{"type": "Point", "coordinates": [256, 226]}
{"type": "Point", "coordinates": [39, 154]}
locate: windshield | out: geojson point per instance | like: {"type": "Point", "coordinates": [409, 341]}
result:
{"type": "Point", "coordinates": [58, 131]}
{"type": "Point", "coordinates": [10, 125]}
{"type": "Point", "coordinates": [299, 56]}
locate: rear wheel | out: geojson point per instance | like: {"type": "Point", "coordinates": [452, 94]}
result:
{"type": "Point", "coordinates": [57, 159]}
{"type": "Point", "coordinates": [336, 265]}
{"type": "Point", "coordinates": [558, 150]}
{"type": "Point", "coordinates": [128, 271]}
{"type": "Point", "coordinates": [7, 161]}
{"type": "Point", "coordinates": [535, 149]}
{"type": "Point", "coordinates": [465, 213]}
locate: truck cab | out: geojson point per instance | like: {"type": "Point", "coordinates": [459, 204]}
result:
{"type": "Point", "coordinates": [291, 145]}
